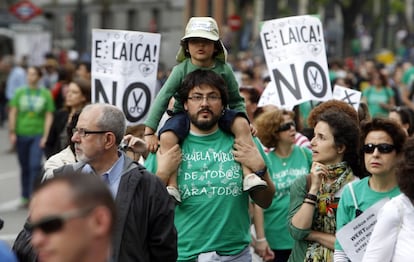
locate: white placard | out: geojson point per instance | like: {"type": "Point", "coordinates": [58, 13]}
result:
{"type": "Point", "coordinates": [350, 96]}
{"type": "Point", "coordinates": [295, 55]}
{"type": "Point", "coordinates": [268, 97]}
{"type": "Point", "coordinates": [124, 70]}
{"type": "Point", "coordinates": [355, 235]}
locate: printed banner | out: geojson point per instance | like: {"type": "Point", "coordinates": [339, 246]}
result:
{"type": "Point", "coordinates": [124, 70]}
{"type": "Point", "coordinates": [295, 55]}
{"type": "Point", "coordinates": [355, 235]}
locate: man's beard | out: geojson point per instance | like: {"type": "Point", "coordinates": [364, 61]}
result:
{"type": "Point", "coordinates": [204, 124]}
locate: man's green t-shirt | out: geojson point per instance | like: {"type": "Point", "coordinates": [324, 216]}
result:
{"type": "Point", "coordinates": [213, 215]}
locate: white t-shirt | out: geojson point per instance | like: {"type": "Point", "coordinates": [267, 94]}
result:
{"type": "Point", "coordinates": [393, 235]}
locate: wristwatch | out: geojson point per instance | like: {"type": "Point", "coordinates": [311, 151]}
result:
{"type": "Point", "coordinates": [261, 172]}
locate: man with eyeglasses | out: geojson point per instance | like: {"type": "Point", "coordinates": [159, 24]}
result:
{"type": "Point", "coordinates": [145, 228]}
{"type": "Point", "coordinates": [212, 220]}
{"type": "Point", "coordinates": [72, 218]}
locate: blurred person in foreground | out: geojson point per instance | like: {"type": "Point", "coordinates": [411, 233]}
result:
{"type": "Point", "coordinates": [393, 235]}
{"type": "Point", "coordinates": [72, 218]}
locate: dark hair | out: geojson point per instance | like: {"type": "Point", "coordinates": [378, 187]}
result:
{"type": "Point", "coordinates": [38, 71]}
{"type": "Point", "coordinates": [84, 86]}
{"type": "Point", "coordinates": [382, 77]}
{"type": "Point", "coordinates": [363, 112]}
{"type": "Point", "coordinates": [87, 191]}
{"type": "Point", "coordinates": [71, 125]}
{"type": "Point", "coordinates": [406, 115]}
{"type": "Point", "coordinates": [203, 77]}
{"type": "Point", "coordinates": [405, 170]}
{"type": "Point", "coordinates": [218, 48]}
{"type": "Point", "coordinates": [345, 131]}
{"type": "Point", "coordinates": [254, 95]}
{"type": "Point", "coordinates": [394, 131]}
{"type": "Point", "coordinates": [86, 64]}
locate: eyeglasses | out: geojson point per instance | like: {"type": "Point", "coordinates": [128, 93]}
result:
{"type": "Point", "coordinates": [83, 132]}
{"type": "Point", "coordinates": [382, 148]}
{"type": "Point", "coordinates": [52, 224]}
{"type": "Point", "coordinates": [286, 126]}
{"type": "Point", "coordinates": [200, 98]}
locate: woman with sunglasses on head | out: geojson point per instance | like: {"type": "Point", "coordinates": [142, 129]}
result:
{"type": "Point", "coordinates": [382, 142]}
{"type": "Point", "coordinates": [393, 235]}
{"type": "Point", "coordinates": [314, 198]}
{"type": "Point", "coordinates": [276, 130]}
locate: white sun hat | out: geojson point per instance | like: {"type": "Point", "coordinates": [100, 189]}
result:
{"type": "Point", "coordinates": [202, 27]}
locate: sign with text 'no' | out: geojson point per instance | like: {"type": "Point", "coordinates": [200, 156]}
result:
{"type": "Point", "coordinates": [124, 70]}
{"type": "Point", "coordinates": [295, 55]}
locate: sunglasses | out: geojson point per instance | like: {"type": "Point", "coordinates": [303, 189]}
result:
{"type": "Point", "coordinates": [286, 126]}
{"type": "Point", "coordinates": [55, 223]}
{"type": "Point", "coordinates": [382, 148]}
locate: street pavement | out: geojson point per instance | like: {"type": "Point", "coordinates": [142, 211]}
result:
{"type": "Point", "coordinates": [13, 215]}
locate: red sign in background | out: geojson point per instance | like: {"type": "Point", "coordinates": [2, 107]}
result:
{"type": "Point", "coordinates": [25, 10]}
{"type": "Point", "coordinates": [234, 22]}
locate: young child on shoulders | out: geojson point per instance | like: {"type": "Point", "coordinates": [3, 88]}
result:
{"type": "Point", "coordinates": [201, 47]}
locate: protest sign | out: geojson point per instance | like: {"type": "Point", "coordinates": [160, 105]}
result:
{"type": "Point", "coordinates": [350, 96]}
{"type": "Point", "coordinates": [124, 70]}
{"type": "Point", "coordinates": [295, 55]}
{"type": "Point", "coordinates": [355, 235]}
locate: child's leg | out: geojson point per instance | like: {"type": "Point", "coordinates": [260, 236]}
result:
{"type": "Point", "coordinates": [173, 132]}
{"type": "Point", "coordinates": [167, 140]}
{"type": "Point", "coordinates": [241, 130]}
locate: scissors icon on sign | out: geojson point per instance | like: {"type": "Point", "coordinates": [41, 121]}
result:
{"type": "Point", "coordinates": [136, 107]}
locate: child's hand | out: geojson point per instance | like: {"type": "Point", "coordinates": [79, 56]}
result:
{"type": "Point", "coordinates": [253, 130]}
{"type": "Point", "coordinates": [152, 142]}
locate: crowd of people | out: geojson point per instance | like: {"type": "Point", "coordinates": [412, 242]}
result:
{"type": "Point", "coordinates": [221, 179]}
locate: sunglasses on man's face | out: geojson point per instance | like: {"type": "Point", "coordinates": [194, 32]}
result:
{"type": "Point", "coordinates": [382, 148]}
{"type": "Point", "coordinates": [286, 126]}
{"type": "Point", "coordinates": [55, 223]}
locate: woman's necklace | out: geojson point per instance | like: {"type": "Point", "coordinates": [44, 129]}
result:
{"type": "Point", "coordinates": [284, 154]}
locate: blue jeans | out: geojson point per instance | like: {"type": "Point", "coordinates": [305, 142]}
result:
{"type": "Point", "coordinates": [30, 155]}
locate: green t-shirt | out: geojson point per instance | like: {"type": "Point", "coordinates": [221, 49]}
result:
{"type": "Point", "coordinates": [408, 76]}
{"type": "Point", "coordinates": [213, 215]}
{"type": "Point", "coordinates": [376, 96]}
{"type": "Point", "coordinates": [283, 172]}
{"type": "Point", "coordinates": [365, 196]}
{"type": "Point", "coordinates": [31, 105]}
{"type": "Point", "coordinates": [173, 84]}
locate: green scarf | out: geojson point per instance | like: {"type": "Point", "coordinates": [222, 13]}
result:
{"type": "Point", "coordinates": [325, 217]}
